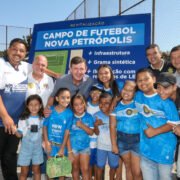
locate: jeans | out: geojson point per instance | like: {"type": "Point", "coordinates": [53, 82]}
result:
{"type": "Point", "coordinates": [8, 156]}
{"type": "Point", "coordinates": [152, 170]}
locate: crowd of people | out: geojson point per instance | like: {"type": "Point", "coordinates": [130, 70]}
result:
{"type": "Point", "coordinates": [131, 122]}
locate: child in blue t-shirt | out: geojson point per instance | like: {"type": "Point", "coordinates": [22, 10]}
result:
{"type": "Point", "coordinates": [56, 126]}
{"type": "Point", "coordinates": [103, 140]}
{"type": "Point", "coordinates": [93, 107]}
{"type": "Point", "coordinates": [157, 142]}
{"type": "Point", "coordinates": [82, 127]}
{"type": "Point", "coordinates": [125, 129]}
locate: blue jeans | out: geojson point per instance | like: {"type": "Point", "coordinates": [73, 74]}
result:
{"type": "Point", "coordinates": [155, 171]}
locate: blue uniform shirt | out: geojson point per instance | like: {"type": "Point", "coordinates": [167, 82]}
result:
{"type": "Point", "coordinates": [57, 124]}
{"type": "Point", "coordinates": [120, 85]}
{"type": "Point", "coordinates": [79, 138]}
{"type": "Point", "coordinates": [128, 120]}
{"type": "Point", "coordinates": [13, 87]}
{"type": "Point", "coordinates": [156, 112]}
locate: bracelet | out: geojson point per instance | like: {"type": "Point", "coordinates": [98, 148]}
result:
{"type": "Point", "coordinates": [70, 152]}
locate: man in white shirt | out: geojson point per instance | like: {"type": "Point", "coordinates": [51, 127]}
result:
{"type": "Point", "coordinates": [43, 85]}
{"type": "Point", "coordinates": [39, 82]}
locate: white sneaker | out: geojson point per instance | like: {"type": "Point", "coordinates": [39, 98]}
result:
{"type": "Point", "coordinates": [29, 178]}
{"type": "Point", "coordinates": [43, 177]}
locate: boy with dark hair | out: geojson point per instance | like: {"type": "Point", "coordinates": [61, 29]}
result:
{"type": "Point", "coordinates": [104, 148]}
{"type": "Point", "coordinates": [167, 88]}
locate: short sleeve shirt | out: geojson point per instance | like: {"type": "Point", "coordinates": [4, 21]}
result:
{"type": "Point", "coordinates": [43, 88]}
{"type": "Point", "coordinates": [57, 123]}
{"type": "Point", "coordinates": [156, 112]}
{"type": "Point", "coordinates": [128, 120]}
{"type": "Point", "coordinates": [103, 139]}
{"type": "Point", "coordinates": [79, 138]}
{"type": "Point", "coordinates": [13, 87]}
{"type": "Point", "coordinates": [66, 82]}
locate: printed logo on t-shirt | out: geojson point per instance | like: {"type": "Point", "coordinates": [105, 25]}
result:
{"type": "Point", "coordinates": [167, 157]}
{"type": "Point", "coordinates": [15, 88]}
{"type": "Point", "coordinates": [131, 112]}
{"type": "Point", "coordinates": [170, 70]}
{"type": "Point", "coordinates": [45, 86]}
{"type": "Point", "coordinates": [146, 111]}
{"type": "Point", "coordinates": [127, 112]}
{"type": "Point", "coordinates": [30, 85]}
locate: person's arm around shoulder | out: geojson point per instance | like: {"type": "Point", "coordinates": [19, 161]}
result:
{"type": "Point", "coordinates": [53, 74]}
{"type": "Point", "coordinates": [50, 101]}
{"type": "Point", "coordinates": [113, 124]}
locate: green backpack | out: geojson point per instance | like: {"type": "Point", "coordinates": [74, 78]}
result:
{"type": "Point", "coordinates": [58, 166]}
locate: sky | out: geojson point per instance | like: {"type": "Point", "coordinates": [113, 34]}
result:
{"type": "Point", "coordinates": [26, 13]}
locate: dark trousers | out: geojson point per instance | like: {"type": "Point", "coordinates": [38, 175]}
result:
{"type": "Point", "coordinates": [8, 156]}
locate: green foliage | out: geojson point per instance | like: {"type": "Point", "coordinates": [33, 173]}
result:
{"type": "Point", "coordinates": [165, 56]}
{"type": "Point", "coordinates": [2, 53]}
{"type": "Point", "coordinates": [27, 39]}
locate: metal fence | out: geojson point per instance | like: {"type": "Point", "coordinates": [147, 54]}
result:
{"type": "Point", "coordinates": [165, 18]}
{"type": "Point", "coordinates": [7, 33]}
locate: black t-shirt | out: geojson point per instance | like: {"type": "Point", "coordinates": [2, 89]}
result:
{"type": "Point", "coordinates": [167, 67]}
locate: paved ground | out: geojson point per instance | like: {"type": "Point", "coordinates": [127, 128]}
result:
{"type": "Point", "coordinates": [106, 174]}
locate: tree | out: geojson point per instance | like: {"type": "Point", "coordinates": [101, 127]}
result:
{"type": "Point", "coordinates": [28, 40]}
{"type": "Point", "coordinates": [165, 56]}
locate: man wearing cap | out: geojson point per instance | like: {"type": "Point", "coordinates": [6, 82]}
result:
{"type": "Point", "coordinates": [167, 88]}
{"type": "Point", "coordinates": [157, 64]}
{"type": "Point", "coordinates": [175, 59]}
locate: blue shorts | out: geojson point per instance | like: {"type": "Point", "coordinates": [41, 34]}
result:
{"type": "Point", "coordinates": [30, 151]}
{"type": "Point", "coordinates": [128, 143]}
{"type": "Point", "coordinates": [102, 155]}
{"type": "Point", "coordinates": [93, 158]}
{"type": "Point", "coordinates": [83, 151]}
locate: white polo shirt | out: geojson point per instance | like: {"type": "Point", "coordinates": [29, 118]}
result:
{"type": "Point", "coordinates": [43, 88]}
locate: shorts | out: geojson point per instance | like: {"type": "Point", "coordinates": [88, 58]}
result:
{"type": "Point", "coordinates": [30, 151]}
{"type": "Point", "coordinates": [128, 143]}
{"type": "Point", "coordinates": [102, 155]}
{"type": "Point", "coordinates": [93, 157]}
{"type": "Point", "coordinates": [83, 151]}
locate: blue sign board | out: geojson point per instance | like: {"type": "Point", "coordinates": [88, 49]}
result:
{"type": "Point", "coordinates": [119, 41]}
